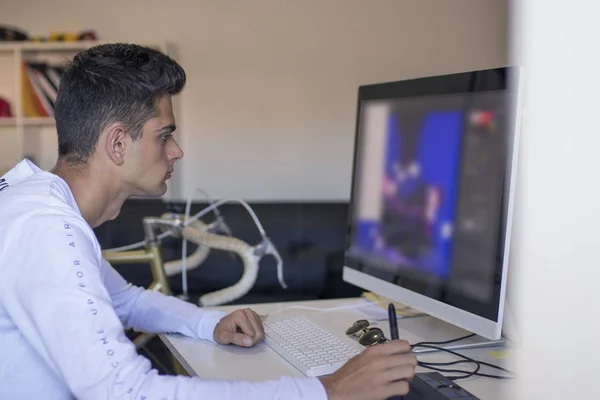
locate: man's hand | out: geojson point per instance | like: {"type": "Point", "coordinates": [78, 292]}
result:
{"type": "Point", "coordinates": [242, 327]}
{"type": "Point", "coordinates": [379, 372]}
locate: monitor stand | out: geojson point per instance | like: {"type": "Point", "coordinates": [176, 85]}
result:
{"type": "Point", "coordinates": [429, 329]}
{"type": "Point", "coordinates": [426, 328]}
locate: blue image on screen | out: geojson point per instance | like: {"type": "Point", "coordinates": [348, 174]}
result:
{"type": "Point", "coordinates": [414, 229]}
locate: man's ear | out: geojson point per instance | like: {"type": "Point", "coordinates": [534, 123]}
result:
{"type": "Point", "coordinates": [117, 143]}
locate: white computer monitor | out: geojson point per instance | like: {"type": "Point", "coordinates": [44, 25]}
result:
{"type": "Point", "coordinates": [432, 195]}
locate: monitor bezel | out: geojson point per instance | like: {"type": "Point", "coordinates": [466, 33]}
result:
{"type": "Point", "coordinates": [442, 85]}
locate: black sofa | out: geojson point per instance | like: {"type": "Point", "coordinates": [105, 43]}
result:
{"type": "Point", "coordinates": [309, 237]}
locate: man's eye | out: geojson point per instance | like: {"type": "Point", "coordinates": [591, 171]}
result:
{"type": "Point", "coordinates": [164, 138]}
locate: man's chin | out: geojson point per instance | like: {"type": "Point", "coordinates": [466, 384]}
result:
{"type": "Point", "coordinates": [162, 190]}
{"type": "Point", "coordinates": [152, 193]}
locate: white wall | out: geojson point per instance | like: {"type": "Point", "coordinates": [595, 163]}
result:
{"type": "Point", "coordinates": [269, 110]}
{"type": "Point", "coordinates": [558, 201]}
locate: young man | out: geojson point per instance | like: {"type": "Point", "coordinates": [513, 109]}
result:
{"type": "Point", "coordinates": [63, 309]}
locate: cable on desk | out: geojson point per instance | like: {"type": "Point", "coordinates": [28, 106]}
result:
{"type": "Point", "coordinates": [465, 374]}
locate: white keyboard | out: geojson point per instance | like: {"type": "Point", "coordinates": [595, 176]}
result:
{"type": "Point", "coordinates": [309, 347]}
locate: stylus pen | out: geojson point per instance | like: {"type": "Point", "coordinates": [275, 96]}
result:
{"type": "Point", "coordinates": [393, 321]}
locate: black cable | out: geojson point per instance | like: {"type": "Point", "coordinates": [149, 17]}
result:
{"type": "Point", "coordinates": [465, 374]}
{"type": "Point", "coordinates": [444, 363]}
{"type": "Point", "coordinates": [447, 341]}
{"type": "Point", "coordinates": [422, 344]}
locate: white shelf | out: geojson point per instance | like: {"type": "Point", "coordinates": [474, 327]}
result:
{"type": "Point", "coordinates": [39, 121]}
{"type": "Point", "coordinates": [24, 46]}
{"type": "Point", "coordinates": [47, 46]}
{"type": "Point", "coordinates": [8, 121]}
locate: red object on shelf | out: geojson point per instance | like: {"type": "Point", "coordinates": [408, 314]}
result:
{"type": "Point", "coordinates": [5, 111]}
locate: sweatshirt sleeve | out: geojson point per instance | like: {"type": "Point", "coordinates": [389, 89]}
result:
{"type": "Point", "coordinates": [56, 297]}
{"type": "Point", "coordinates": [150, 311]}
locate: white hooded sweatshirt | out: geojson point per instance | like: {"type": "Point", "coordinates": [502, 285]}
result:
{"type": "Point", "coordinates": [63, 311]}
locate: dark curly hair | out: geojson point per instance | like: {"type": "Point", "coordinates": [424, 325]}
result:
{"type": "Point", "coordinates": [111, 83]}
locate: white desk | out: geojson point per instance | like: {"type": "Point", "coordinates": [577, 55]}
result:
{"type": "Point", "coordinates": [211, 361]}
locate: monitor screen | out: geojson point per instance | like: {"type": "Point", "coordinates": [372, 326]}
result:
{"type": "Point", "coordinates": [428, 208]}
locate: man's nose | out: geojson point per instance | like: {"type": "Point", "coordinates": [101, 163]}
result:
{"type": "Point", "coordinates": [175, 152]}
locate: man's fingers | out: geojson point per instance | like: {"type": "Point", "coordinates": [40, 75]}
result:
{"type": "Point", "coordinates": [402, 372]}
{"type": "Point", "coordinates": [396, 360]}
{"type": "Point", "coordinates": [256, 324]}
{"type": "Point", "coordinates": [240, 339]}
{"type": "Point", "coordinates": [242, 327]}
{"type": "Point", "coordinates": [391, 347]}
{"type": "Point", "coordinates": [400, 388]}
{"type": "Point", "coordinates": [242, 321]}
{"type": "Point", "coordinates": [383, 363]}
{"type": "Point", "coordinates": [224, 337]}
